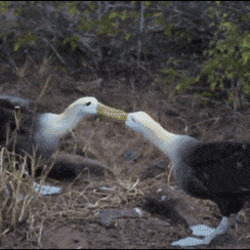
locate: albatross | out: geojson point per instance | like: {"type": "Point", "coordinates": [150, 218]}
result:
{"type": "Point", "coordinates": [38, 134]}
{"type": "Point", "coordinates": [218, 171]}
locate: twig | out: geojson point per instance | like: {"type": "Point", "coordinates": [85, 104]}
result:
{"type": "Point", "coordinates": [170, 174]}
{"type": "Point", "coordinates": [209, 99]}
{"type": "Point", "coordinates": [142, 20]}
{"type": "Point", "coordinates": [43, 90]}
{"type": "Point", "coordinates": [55, 51]}
{"type": "Point", "coordinates": [212, 119]}
{"type": "Point", "coordinates": [204, 121]}
{"type": "Point", "coordinates": [40, 234]}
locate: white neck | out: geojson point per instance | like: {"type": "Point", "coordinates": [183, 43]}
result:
{"type": "Point", "coordinates": [167, 142]}
{"type": "Point", "coordinates": [54, 125]}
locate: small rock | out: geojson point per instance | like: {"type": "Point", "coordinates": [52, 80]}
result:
{"type": "Point", "coordinates": [171, 113]}
{"type": "Point", "coordinates": [130, 155]}
{"type": "Point", "coordinates": [107, 217]}
{"type": "Point", "coordinates": [107, 188]}
{"type": "Point", "coordinates": [155, 169]}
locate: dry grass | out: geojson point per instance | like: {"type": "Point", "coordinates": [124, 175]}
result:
{"type": "Point", "coordinates": [22, 71]}
{"type": "Point", "coordinates": [23, 209]}
{"type": "Point", "coordinates": [16, 191]}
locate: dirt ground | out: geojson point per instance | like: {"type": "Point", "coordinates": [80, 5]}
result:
{"type": "Point", "coordinates": [99, 211]}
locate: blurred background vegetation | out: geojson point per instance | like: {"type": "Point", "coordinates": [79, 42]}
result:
{"type": "Point", "coordinates": [200, 47]}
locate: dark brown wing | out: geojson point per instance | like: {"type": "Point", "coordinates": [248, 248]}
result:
{"type": "Point", "coordinates": [222, 167]}
{"type": "Point", "coordinates": [16, 118]}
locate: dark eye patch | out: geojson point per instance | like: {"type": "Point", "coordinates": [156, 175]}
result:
{"type": "Point", "coordinates": [88, 103]}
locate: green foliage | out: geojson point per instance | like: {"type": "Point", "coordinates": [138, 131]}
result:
{"type": "Point", "coordinates": [110, 24]}
{"type": "Point", "coordinates": [61, 68]}
{"type": "Point", "coordinates": [164, 3]}
{"type": "Point", "coordinates": [113, 15]}
{"type": "Point", "coordinates": [147, 3]}
{"type": "Point", "coordinates": [229, 60]}
{"type": "Point", "coordinates": [4, 5]}
{"type": "Point", "coordinates": [73, 41]}
{"type": "Point", "coordinates": [92, 5]}
{"type": "Point", "coordinates": [85, 24]}
{"type": "Point", "coordinates": [72, 5]}
{"type": "Point", "coordinates": [28, 39]}
{"type": "Point", "coordinates": [143, 31]}
{"type": "Point", "coordinates": [227, 66]}
{"type": "Point", "coordinates": [124, 15]}
{"type": "Point", "coordinates": [171, 74]}
{"type": "Point", "coordinates": [18, 11]}
{"type": "Point", "coordinates": [160, 19]}
{"type": "Point", "coordinates": [181, 81]}
{"type": "Point", "coordinates": [127, 36]}
{"type": "Point", "coordinates": [106, 25]}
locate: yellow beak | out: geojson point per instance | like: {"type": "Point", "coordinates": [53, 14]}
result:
{"type": "Point", "coordinates": [111, 112]}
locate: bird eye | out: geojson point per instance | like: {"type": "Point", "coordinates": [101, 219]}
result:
{"type": "Point", "coordinates": [88, 103]}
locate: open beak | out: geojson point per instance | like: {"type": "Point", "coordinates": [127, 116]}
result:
{"type": "Point", "coordinates": [111, 112]}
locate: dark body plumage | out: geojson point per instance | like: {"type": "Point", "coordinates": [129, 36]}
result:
{"type": "Point", "coordinates": [219, 171]}
{"type": "Point", "coordinates": [18, 125]}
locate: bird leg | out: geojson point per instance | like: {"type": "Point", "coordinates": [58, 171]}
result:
{"type": "Point", "coordinates": [208, 232]}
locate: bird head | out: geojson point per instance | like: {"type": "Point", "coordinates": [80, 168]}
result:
{"type": "Point", "coordinates": [139, 121]}
{"type": "Point", "coordinates": [86, 105]}
{"type": "Point", "coordinates": [90, 105]}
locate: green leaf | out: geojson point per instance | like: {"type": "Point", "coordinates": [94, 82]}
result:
{"type": "Point", "coordinates": [73, 11]}
{"type": "Point", "coordinates": [246, 88]}
{"type": "Point", "coordinates": [124, 15]}
{"type": "Point", "coordinates": [181, 87]}
{"type": "Point", "coordinates": [147, 3]}
{"type": "Point", "coordinates": [158, 14]}
{"type": "Point", "coordinates": [245, 57]}
{"type": "Point", "coordinates": [16, 46]}
{"type": "Point", "coordinates": [205, 94]}
{"type": "Point", "coordinates": [113, 15]}
{"type": "Point", "coordinates": [127, 36]}
{"type": "Point", "coordinates": [213, 85]}
{"type": "Point", "coordinates": [92, 5]}
{"type": "Point", "coordinates": [4, 5]}
{"type": "Point", "coordinates": [230, 75]}
{"type": "Point", "coordinates": [228, 25]}
{"type": "Point", "coordinates": [246, 41]}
